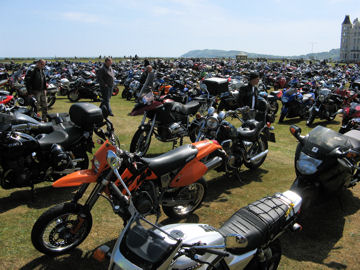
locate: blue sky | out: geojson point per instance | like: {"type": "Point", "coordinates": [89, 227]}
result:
{"type": "Point", "coordinates": [170, 27]}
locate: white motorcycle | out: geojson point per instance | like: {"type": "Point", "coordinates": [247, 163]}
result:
{"type": "Point", "coordinates": [248, 240]}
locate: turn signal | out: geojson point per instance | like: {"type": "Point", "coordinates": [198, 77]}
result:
{"type": "Point", "coordinates": [101, 253]}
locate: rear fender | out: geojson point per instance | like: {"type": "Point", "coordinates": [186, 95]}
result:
{"type": "Point", "coordinates": [76, 179]}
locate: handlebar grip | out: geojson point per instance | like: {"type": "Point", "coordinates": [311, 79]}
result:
{"type": "Point", "coordinates": [212, 251]}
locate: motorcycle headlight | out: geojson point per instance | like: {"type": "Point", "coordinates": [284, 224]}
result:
{"type": "Point", "coordinates": [321, 98]}
{"type": "Point", "coordinates": [212, 123]}
{"type": "Point", "coordinates": [307, 165]}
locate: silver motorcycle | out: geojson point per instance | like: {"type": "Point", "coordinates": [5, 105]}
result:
{"type": "Point", "coordinates": [247, 240]}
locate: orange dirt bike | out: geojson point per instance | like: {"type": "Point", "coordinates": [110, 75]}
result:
{"type": "Point", "coordinates": [172, 180]}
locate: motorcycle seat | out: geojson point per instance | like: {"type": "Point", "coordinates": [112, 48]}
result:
{"type": "Point", "coordinates": [56, 137]}
{"type": "Point", "coordinates": [174, 159]}
{"type": "Point", "coordinates": [186, 109]}
{"type": "Point", "coordinates": [258, 222]}
{"type": "Point", "coordinates": [250, 130]}
{"type": "Point", "coordinates": [354, 138]}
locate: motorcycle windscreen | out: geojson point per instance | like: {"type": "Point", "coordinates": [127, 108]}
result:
{"type": "Point", "coordinates": [76, 179]}
{"type": "Point", "coordinates": [322, 141]}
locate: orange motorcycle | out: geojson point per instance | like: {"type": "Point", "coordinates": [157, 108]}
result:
{"type": "Point", "coordinates": [172, 180]}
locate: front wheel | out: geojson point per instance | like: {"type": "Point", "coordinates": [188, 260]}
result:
{"type": "Point", "coordinates": [189, 198]}
{"type": "Point", "coordinates": [259, 146]}
{"type": "Point", "coordinates": [74, 95]}
{"type": "Point", "coordinates": [138, 143]}
{"type": "Point", "coordinates": [310, 119]}
{"type": "Point", "coordinates": [50, 100]}
{"type": "Point", "coordinates": [60, 229]}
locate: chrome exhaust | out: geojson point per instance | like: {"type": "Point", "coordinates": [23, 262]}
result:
{"type": "Point", "coordinates": [259, 156]}
{"type": "Point", "coordinates": [213, 163]}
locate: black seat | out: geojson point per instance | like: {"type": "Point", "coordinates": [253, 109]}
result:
{"type": "Point", "coordinates": [250, 130]}
{"type": "Point", "coordinates": [189, 108]}
{"type": "Point", "coordinates": [258, 222]}
{"type": "Point", "coordinates": [172, 160]}
{"type": "Point", "coordinates": [44, 127]}
{"type": "Point", "coordinates": [47, 140]}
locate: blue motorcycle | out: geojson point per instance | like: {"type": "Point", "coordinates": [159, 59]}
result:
{"type": "Point", "coordinates": [295, 104]}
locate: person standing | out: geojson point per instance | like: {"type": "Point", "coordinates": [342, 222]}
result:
{"type": "Point", "coordinates": [35, 82]}
{"type": "Point", "coordinates": [105, 78]}
{"type": "Point", "coordinates": [148, 84]}
{"type": "Point", "coordinates": [248, 93]}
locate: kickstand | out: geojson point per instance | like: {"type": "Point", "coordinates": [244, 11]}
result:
{"type": "Point", "coordinates": [174, 144]}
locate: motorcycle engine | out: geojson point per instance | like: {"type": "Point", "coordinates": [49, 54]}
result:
{"type": "Point", "coordinates": [176, 129]}
{"type": "Point", "coordinates": [143, 199]}
{"type": "Point", "coordinates": [17, 173]}
{"type": "Point", "coordinates": [60, 160]}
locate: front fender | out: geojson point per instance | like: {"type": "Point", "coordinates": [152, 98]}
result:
{"type": "Point", "coordinates": [76, 179]}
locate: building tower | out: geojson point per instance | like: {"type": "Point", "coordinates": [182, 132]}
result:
{"type": "Point", "coordinates": [346, 27]}
{"type": "Point", "coordinates": [350, 40]}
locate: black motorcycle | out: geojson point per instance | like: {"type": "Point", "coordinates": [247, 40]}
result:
{"type": "Point", "coordinates": [325, 162]}
{"type": "Point", "coordinates": [325, 106]}
{"type": "Point", "coordinates": [168, 120]}
{"type": "Point", "coordinates": [26, 160]}
{"type": "Point", "coordinates": [84, 88]}
{"type": "Point", "coordinates": [246, 145]}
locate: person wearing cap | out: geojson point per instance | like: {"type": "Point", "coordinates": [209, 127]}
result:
{"type": "Point", "coordinates": [248, 93]}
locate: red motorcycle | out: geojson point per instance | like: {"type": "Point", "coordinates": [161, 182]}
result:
{"type": "Point", "coordinates": [169, 121]}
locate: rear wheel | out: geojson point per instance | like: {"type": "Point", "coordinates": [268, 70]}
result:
{"type": "Point", "coordinates": [124, 92]}
{"type": "Point", "coordinates": [189, 199]}
{"type": "Point", "coordinates": [138, 143]}
{"type": "Point", "coordinates": [74, 95]}
{"type": "Point", "coordinates": [259, 146]}
{"type": "Point", "coordinates": [50, 100]}
{"type": "Point", "coordinates": [60, 229]}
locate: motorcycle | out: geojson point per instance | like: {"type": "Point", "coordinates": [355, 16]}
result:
{"type": "Point", "coordinates": [26, 160]}
{"type": "Point", "coordinates": [168, 120]}
{"type": "Point", "coordinates": [247, 240]}
{"type": "Point", "coordinates": [246, 145]}
{"type": "Point", "coordinates": [295, 104]}
{"type": "Point", "coordinates": [325, 106]}
{"type": "Point", "coordinates": [325, 162]}
{"type": "Point", "coordinates": [84, 88]}
{"type": "Point", "coordinates": [351, 117]}
{"type": "Point", "coordinates": [172, 180]}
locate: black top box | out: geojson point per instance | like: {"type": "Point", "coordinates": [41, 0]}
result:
{"type": "Point", "coordinates": [216, 86]}
{"type": "Point", "coordinates": [86, 115]}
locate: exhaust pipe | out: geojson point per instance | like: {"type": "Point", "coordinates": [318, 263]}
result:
{"type": "Point", "coordinates": [213, 163]}
{"type": "Point", "coordinates": [259, 156]}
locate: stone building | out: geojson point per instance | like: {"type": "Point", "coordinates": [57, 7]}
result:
{"type": "Point", "coordinates": [350, 40]}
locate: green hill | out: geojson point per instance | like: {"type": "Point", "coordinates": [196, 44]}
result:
{"type": "Point", "coordinates": [334, 54]}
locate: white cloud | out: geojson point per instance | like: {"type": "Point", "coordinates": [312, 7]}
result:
{"type": "Point", "coordinates": [82, 17]}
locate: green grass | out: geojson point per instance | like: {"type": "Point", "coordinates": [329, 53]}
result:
{"type": "Point", "coordinates": [329, 240]}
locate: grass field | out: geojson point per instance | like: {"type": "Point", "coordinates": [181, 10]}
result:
{"type": "Point", "coordinates": [329, 240]}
